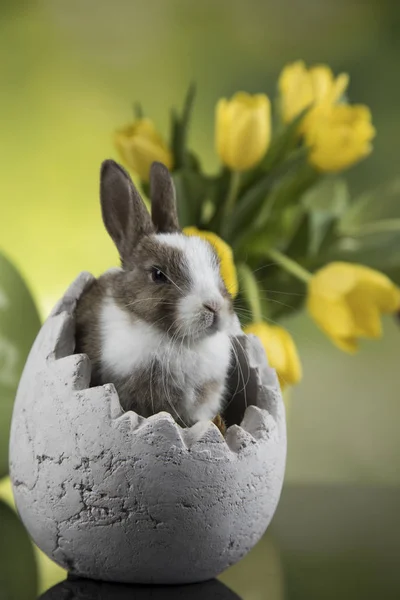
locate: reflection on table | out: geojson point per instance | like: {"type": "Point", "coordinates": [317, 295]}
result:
{"type": "Point", "coordinates": [81, 589]}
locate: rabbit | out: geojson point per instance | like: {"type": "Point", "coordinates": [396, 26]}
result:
{"type": "Point", "coordinates": [158, 327]}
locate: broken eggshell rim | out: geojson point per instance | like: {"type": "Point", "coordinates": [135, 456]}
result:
{"type": "Point", "coordinates": [257, 424]}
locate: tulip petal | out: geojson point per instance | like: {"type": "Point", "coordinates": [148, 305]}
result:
{"type": "Point", "coordinates": [339, 136]}
{"type": "Point", "coordinates": [225, 254]}
{"type": "Point", "coordinates": [280, 350]}
{"type": "Point", "coordinates": [334, 280]}
{"type": "Point", "coordinates": [250, 139]}
{"type": "Point", "coordinates": [221, 127]}
{"type": "Point", "coordinates": [293, 369]}
{"type": "Point", "coordinates": [292, 72]}
{"type": "Point", "coordinates": [139, 144]}
{"type": "Point", "coordinates": [347, 344]}
{"type": "Point", "coordinates": [366, 317]}
{"type": "Point", "coordinates": [321, 80]}
{"type": "Point", "coordinates": [339, 87]}
{"type": "Point", "coordinates": [243, 130]}
{"type": "Point", "coordinates": [315, 87]}
{"type": "Point", "coordinates": [332, 316]}
{"type": "Point", "coordinates": [145, 152]}
{"type": "Point", "coordinates": [379, 288]}
{"type": "Point", "coordinates": [346, 301]}
{"type": "Point", "coordinates": [296, 92]}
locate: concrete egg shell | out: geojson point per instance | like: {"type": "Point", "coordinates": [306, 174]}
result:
{"type": "Point", "coordinates": [110, 495]}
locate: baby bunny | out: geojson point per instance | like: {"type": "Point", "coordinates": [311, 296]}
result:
{"type": "Point", "coordinates": [158, 327]}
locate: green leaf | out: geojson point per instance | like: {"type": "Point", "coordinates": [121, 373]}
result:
{"type": "Point", "coordinates": [394, 274]}
{"type": "Point", "coordinates": [281, 295]}
{"type": "Point", "coordinates": [191, 192]}
{"type": "Point", "coordinates": [19, 325]}
{"type": "Point", "coordinates": [270, 222]}
{"type": "Point", "coordinates": [299, 245]}
{"type": "Point", "coordinates": [18, 572]}
{"type": "Point", "coordinates": [138, 110]}
{"type": "Point", "coordinates": [249, 290]}
{"type": "Point", "coordinates": [286, 294]}
{"type": "Point", "coordinates": [294, 177]}
{"type": "Point", "coordinates": [145, 185]}
{"type": "Point", "coordinates": [284, 146]}
{"type": "Point", "coordinates": [329, 196]}
{"type": "Point", "coordinates": [217, 194]}
{"type": "Point", "coordinates": [179, 127]}
{"type": "Point", "coordinates": [326, 202]}
{"type": "Point", "coordinates": [368, 232]}
{"type": "Point", "coordinates": [251, 303]}
{"type": "Point", "coordinates": [254, 208]}
{"type": "Point", "coordinates": [328, 238]}
{"type": "Point", "coordinates": [188, 106]}
{"type": "Point", "coordinates": [246, 210]}
{"type": "Point", "coordinates": [207, 213]}
{"type": "Point", "coordinates": [380, 204]}
{"type": "Point", "coordinates": [193, 161]}
{"type": "Point", "coordinates": [283, 143]}
{"type": "Point", "coordinates": [379, 251]}
{"type": "Point", "coordinates": [175, 133]}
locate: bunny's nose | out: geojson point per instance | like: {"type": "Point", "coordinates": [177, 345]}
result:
{"type": "Point", "coordinates": [212, 305]}
{"type": "Point", "coordinates": [214, 308]}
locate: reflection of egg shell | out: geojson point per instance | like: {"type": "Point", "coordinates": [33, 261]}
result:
{"type": "Point", "coordinates": [114, 496]}
{"type": "Point", "coordinates": [87, 589]}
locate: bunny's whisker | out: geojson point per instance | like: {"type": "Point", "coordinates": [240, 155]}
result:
{"type": "Point", "coordinates": [238, 379]}
{"type": "Point", "coordinates": [240, 370]}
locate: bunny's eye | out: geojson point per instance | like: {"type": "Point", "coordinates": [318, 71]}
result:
{"type": "Point", "coordinates": [158, 276]}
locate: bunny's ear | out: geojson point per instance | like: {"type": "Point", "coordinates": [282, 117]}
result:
{"type": "Point", "coordinates": [163, 203]}
{"type": "Point", "coordinates": [125, 215]}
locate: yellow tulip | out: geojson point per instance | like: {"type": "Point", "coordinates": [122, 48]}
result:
{"type": "Point", "coordinates": [225, 254]}
{"type": "Point", "coordinates": [301, 87]}
{"type": "Point", "coordinates": [346, 301]}
{"type": "Point", "coordinates": [243, 130]}
{"type": "Point", "coordinates": [139, 145]}
{"type": "Point", "coordinates": [339, 136]}
{"type": "Point", "coordinates": [280, 350]}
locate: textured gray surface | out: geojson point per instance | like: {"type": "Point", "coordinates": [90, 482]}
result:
{"type": "Point", "coordinates": [110, 495]}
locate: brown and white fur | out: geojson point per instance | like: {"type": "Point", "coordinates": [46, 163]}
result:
{"type": "Point", "coordinates": [159, 327]}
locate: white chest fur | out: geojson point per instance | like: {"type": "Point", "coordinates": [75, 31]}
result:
{"type": "Point", "coordinates": [127, 346]}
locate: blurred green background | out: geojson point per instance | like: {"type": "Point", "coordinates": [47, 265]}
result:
{"type": "Point", "coordinates": [70, 73]}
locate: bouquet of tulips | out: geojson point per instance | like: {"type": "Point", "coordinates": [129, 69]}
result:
{"type": "Point", "coordinates": [279, 214]}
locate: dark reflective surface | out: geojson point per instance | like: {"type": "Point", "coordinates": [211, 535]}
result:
{"type": "Point", "coordinates": [325, 543]}
{"type": "Point", "coordinates": [80, 589]}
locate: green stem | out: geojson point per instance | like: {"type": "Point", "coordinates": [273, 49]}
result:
{"type": "Point", "coordinates": [249, 286]}
{"type": "Point", "coordinates": [381, 226]}
{"type": "Point", "coordinates": [290, 265]}
{"type": "Point", "coordinates": [138, 110]}
{"type": "Point", "coordinates": [233, 191]}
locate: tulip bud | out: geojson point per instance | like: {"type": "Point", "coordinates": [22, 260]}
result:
{"type": "Point", "coordinates": [139, 145]}
{"type": "Point", "coordinates": [243, 130]}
